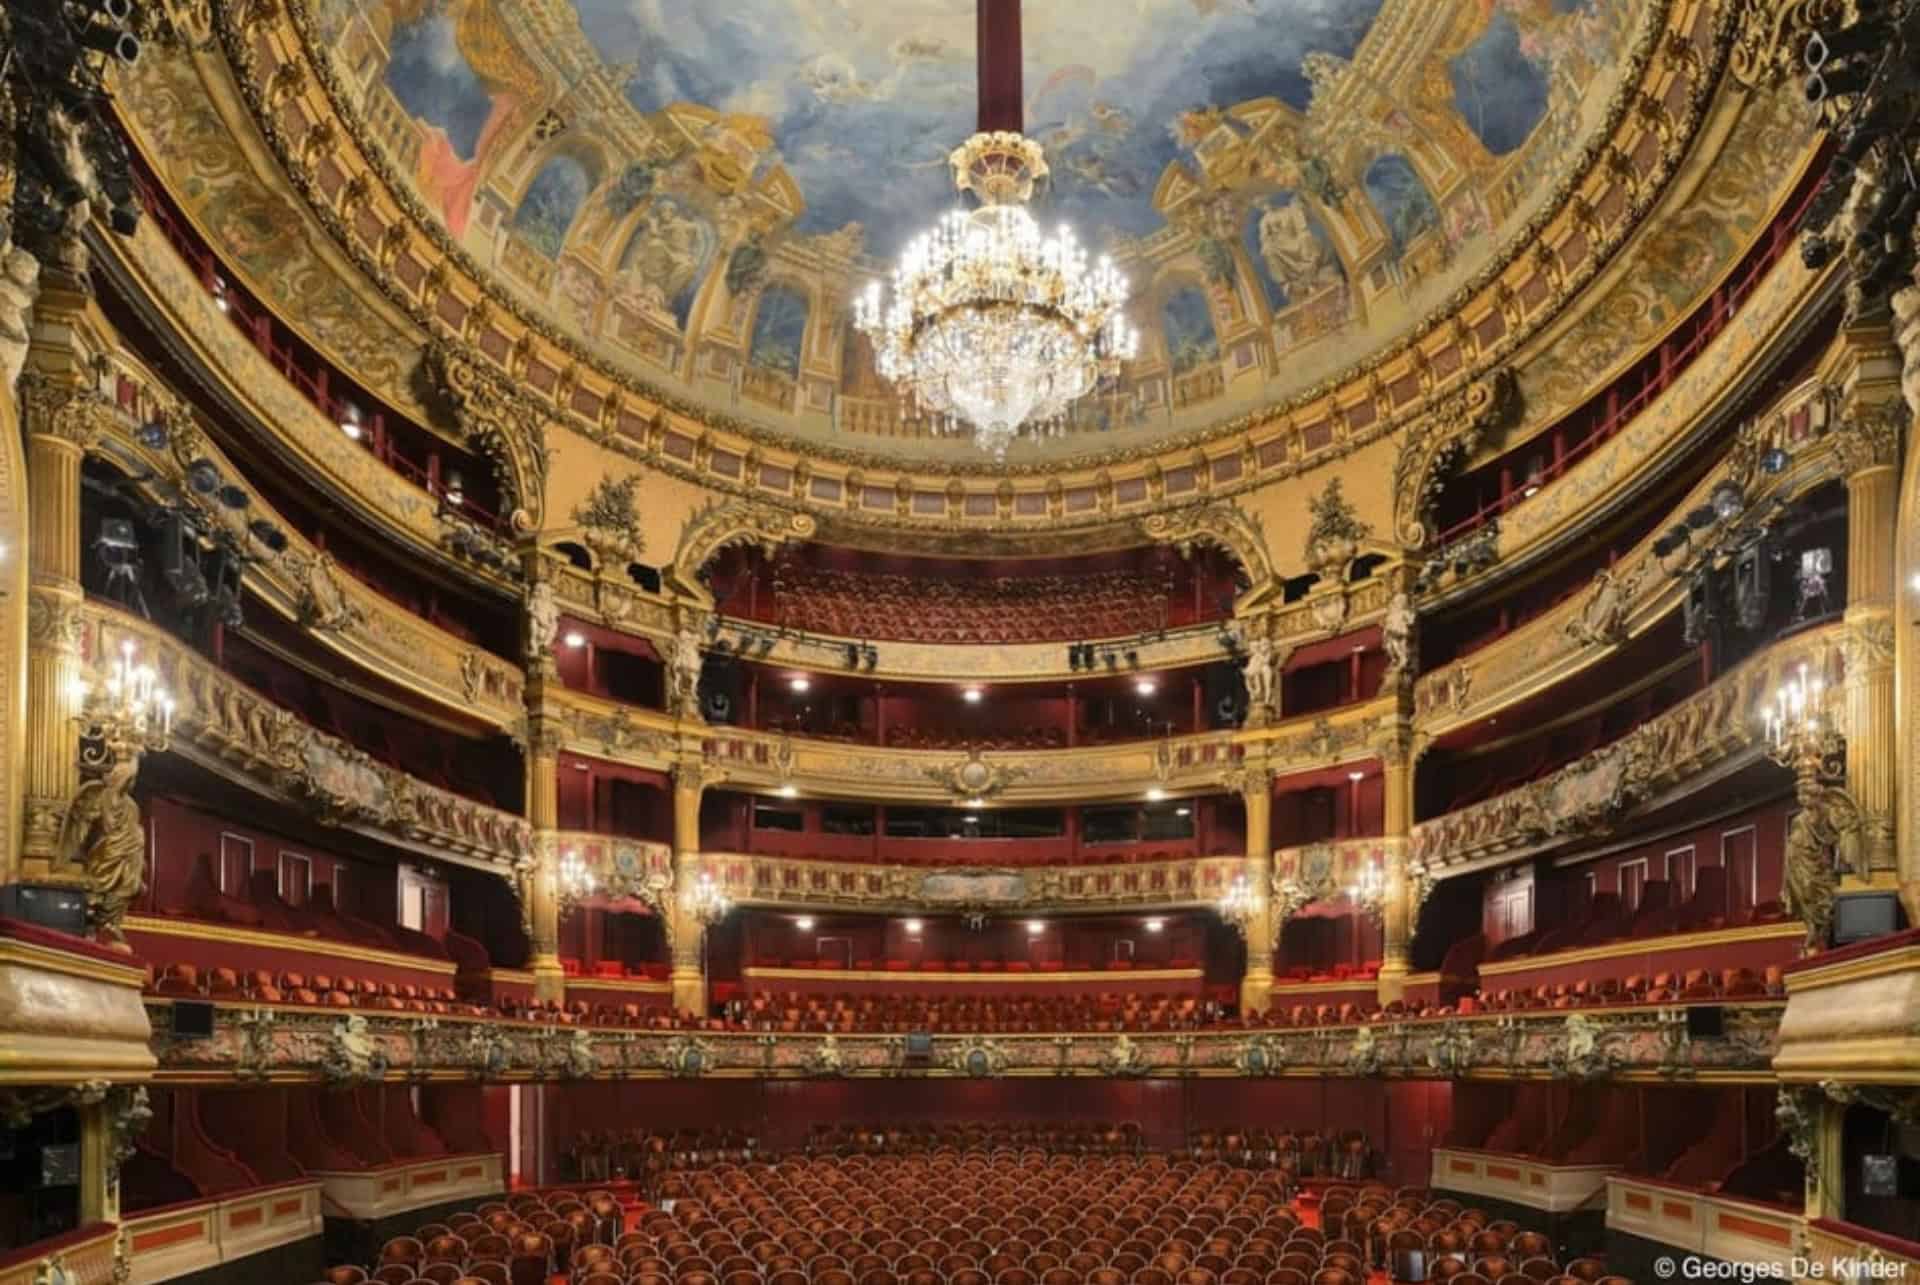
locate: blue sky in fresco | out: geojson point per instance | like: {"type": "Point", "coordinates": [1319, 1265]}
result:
{"type": "Point", "coordinates": [431, 78]}
{"type": "Point", "coordinates": [1106, 82]}
{"type": "Point", "coordinates": [865, 99]}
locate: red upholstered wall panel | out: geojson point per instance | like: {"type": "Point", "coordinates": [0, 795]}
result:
{"type": "Point", "coordinates": [781, 1112]}
{"type": "Point", "coordinates": [252, 1123]}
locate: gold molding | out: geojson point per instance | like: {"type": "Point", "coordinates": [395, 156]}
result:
{"type": "Point", "coordinates": [48, 959]}
{"type": "Point", "coordinates": [1002, 977]}
{"type": "Point", "coordinates": [1815, 976]}
{"type": "Point", "coordinates": [199, 930]}
{"type": "Point", "coordinates": [1684, 49]}
{"type": "Point", "coordinates": [1791, 928]}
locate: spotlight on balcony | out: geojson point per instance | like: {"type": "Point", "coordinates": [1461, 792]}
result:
{"type": "Point", "coordinates": [972, 695]}
{"type": "Point", "coordinates": [799, 683]}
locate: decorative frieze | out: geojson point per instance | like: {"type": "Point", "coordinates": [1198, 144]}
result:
{"type": "Point", "coordinates": [1638, 1042]}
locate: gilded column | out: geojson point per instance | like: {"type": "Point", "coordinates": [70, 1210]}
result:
{"type": "Point", "coordinates": [1396, 901]}
{"type": "Point", "coordinates": [61, 420]}
{"type": "Point", "coordinates": [544, 737]}
{"type": "Point", "coordinates": [1867, 448]}
{"type": "Point", "coordinates": [1256, 985]}
{"type": "Point", "coordinates": [686, 927]}
{"type": "Point", "coordinates": [1906, 311]}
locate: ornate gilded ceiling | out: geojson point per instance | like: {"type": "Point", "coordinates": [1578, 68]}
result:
{"type": "Point", "coordinates": [693, 192]}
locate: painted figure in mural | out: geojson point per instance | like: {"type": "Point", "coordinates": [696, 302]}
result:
{"type": "Point", "coordinates": [1296, 259]}
{"type": "Point", "coordinates": [668, 250]}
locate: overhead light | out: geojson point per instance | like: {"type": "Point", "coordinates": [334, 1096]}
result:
{"type": "Point", "coordinates": [1727, 501]}
{"type": "Point", "coordinates": [1535, 472]}
{"type": "Point", "coordinates": [991, 326]}
{"type": "Point", "coordinates": [804, 923]}
{"type": "Point", "coordinates": [972, 695]}
{"type": "Point", "coordinates": [1915, 582]}
{"type": "Point", "coordinates": [912, 926]}
{"type": "Point", "coordinates": [456, 491]}
{"type": "Point", "coordinates": [1154, 925]}
{"type": "Point", "coordinates": [800, 683]}
{"type": "Point", "coordinates": [1146, 686]}
{"type": "Point", "coordinates": [1356, 776]}
{"type": "Point", "coordinates": [1156, 794]}
{"type": "Point", "coordinates": [350, 420]}
{"type": "Point", "coordinates": [220, 294]}
{"type": "Point", "coordinates": [575, 639]}
{"type": "Point", "coordinates": [1035, 927]}
{"type": "Point", "coordinates": [789, 791]}
{"type": "Point", "coordinates": [973, 805]}
{"type": "Point", "coordinates": [1183, 811]}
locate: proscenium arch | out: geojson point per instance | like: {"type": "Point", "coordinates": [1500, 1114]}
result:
{"type": "Point", "coordinates": [721, 526]}
{"type": "Point", "coordinates": [1225, 526]}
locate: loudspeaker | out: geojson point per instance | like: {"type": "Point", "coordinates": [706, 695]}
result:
{"type": "Point", "coordinates": [223, 587]}
{"type": "Point", "coordinates": [1860, 915]}
{"type": "Point", "coordinates": [180, 560]}
{"type": "Point", "coordinates": [1705, 1021]}
{"type": "Point", "coordinates": [1226, 695]}
{"type": "Point", "coordinates": [1699, 613]}
{"type": "Point", "coordinates": [721, 700]}
{"type": "Point", "coordinates": [1751, 585]}
{"type": "Point", "coordinates": [192, 1019]}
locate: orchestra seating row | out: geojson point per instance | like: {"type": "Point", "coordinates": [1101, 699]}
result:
{"type": "Point", "coordinates": [851, 1014]}
{"type": "Point", "coordinates": [892, 965]}
{"type": "Point", "coordinates": [1656, 915]}
{"type": "Point", "coordinates": [959, 1204]}
{"type": "Point", "coordinates": [264, 909]}
{"type": "Point", "coordinates": [904, 852]}
{"type": "Point", "coordinates": [876, 1014]}
{"type": "Point", "coordinates": [1096, 604]}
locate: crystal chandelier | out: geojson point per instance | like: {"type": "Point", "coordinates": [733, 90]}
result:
{"type": "Point", "coordinates": [989, 326]}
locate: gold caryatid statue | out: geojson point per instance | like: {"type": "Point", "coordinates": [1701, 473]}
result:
{"type": "Point", "coordinates": [1824, 840]}
{"type": "Point", "coordinates": [102, 834]}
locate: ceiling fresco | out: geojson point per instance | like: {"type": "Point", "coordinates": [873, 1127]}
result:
{"type": "Point", "coordinates": [696, 190]}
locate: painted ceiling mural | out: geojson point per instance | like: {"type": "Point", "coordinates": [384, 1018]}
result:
{"type": "Point", "coordinates": [696, 190]}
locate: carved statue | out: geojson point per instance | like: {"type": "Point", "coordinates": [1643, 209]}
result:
{"type": "Point", "coordinates": [580, 1062]}
{"type": "Point", "coordinates": [684, 660]}
{"type": "Point", "coordinates": [352, 1054]}
{"type": "Point", "coordinates": [102, 833]}
{"type": "Point", "coordinates": [1824, 838]}
{"type": "Point", "coordinates": [1397, 638]}
{"type": "Point", "coordinates": [827, 1058]}
{"type": "Point", "coordinates": [1124, 1057]}
{"type": "Point", "coordinates": [1259, 672]}
{"type": "Point", "coordinates": [543, 620]}
{"type": "Point", "coordinates": [1603, 617]}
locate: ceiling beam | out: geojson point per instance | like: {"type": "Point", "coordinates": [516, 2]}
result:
{"type": "Point", "coordinates": [1002, 105]}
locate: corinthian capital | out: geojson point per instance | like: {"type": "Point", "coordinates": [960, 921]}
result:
{"type": "Point", "coordinates": [1869, 438]}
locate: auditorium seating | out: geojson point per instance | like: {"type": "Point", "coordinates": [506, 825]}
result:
{"type": "Point", "coordinates": [1004, 609]}
{"type": "Point", "coordinates": [1001, 1203]}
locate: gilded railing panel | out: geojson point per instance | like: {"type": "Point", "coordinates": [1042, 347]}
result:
{"type": "Point", "coordinates": [246, 378]}
{"type": "Point", "coordinates": [1708, 730]}
{"type": "Point", "coordinates": [303, 583]}
{"type": "Point", "coordinates": [756, 879]}
{"type": "Point", "coordinates": [1638, 590]}
{"type": "Point", "coordinates": [1640, 1043]}
{"type": "Point", "coordinates": [227, 726]}
{"type": "Point", "coordinates": [1593, 212]}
